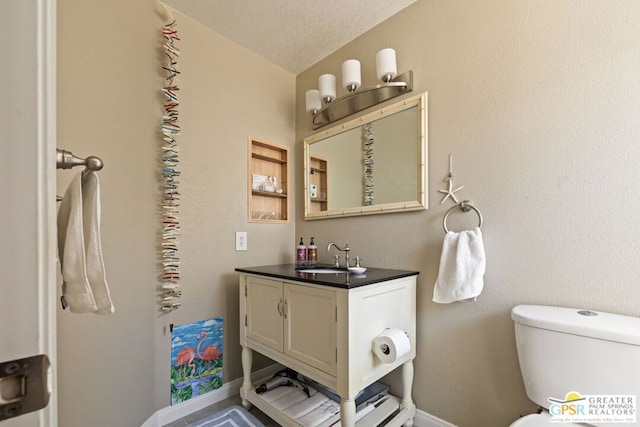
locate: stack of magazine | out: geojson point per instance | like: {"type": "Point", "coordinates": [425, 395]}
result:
{"type": "Point", "coordinates": [313, 405]}
{"type": "Point", "coordinates": [369, 395]}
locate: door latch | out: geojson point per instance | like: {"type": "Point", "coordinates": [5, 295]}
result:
{"type": "Point", "coordinates": [24, 385]}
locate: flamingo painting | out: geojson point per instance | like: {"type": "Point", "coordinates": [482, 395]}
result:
{"type": "Point", "coordinates": [186, 357]}
{"type": "Point", "coordinates": [210, 352]}
{"type": "Point", "coordinates": [196, 359]}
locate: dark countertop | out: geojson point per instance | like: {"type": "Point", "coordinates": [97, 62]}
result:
{"type": "Point", "coordinates": [336, 280]}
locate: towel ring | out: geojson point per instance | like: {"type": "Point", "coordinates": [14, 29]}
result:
{"type": "Point", "coordinates": [465, 206]}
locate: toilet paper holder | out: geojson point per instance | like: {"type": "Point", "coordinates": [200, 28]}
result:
{"type": "Point", "coordinates": [391, 344]}
{"type": "Point", "coordinates": [385, 349]}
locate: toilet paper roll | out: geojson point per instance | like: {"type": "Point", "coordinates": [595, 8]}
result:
{"type": "Point", "coordinates": [391, 345]}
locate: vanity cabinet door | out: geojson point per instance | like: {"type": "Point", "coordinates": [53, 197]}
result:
{"type": "Point", "coordinates": [297, 320]}
{"type": "Point", "coordinates": [310, 323]}
{"type": "Point", "coordinates": [264, 308]}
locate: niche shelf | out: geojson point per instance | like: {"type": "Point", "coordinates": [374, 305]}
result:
{"type": "Point", "coordinates": [268, 182]}
{"type": "Point", "coordinates": [318, 178]}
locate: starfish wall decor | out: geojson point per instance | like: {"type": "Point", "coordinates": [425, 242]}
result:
{"type": "Point", "coordinates": [450, 192]}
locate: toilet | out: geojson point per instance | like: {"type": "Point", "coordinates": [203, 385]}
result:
{"type": "Point", "coordinates": [567, 354]}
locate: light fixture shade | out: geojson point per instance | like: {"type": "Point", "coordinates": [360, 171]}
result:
{"type": "Point", "coordinates": [351, 75]}
{"type": "Point", "coordinates": [386, 65]}
{"type": "Point", "coordinates": [327, 85]}
{"type": "Point", "coordinates": [312, 101]}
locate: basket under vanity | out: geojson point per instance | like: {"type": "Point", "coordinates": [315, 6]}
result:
{"type": "Point", "coordinates": [323, 326]}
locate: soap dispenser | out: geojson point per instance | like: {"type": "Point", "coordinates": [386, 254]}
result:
{"type": "Point", "coordinates": [301, 253]}
{"type": "Point", "coordinates": [312, 252]}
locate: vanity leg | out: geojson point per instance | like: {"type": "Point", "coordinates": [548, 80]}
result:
{"type": "Point", "coordinates": [407, 385]}
{"type": "Point", "coordinates": [348, 412]}
{"type": "Point", "coordinates": [247, 361]}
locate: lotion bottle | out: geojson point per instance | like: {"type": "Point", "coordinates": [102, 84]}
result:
{"type": "Point", "coordinates": [301, 253]}
{"type": "Point", "coordinates": [312, 253]}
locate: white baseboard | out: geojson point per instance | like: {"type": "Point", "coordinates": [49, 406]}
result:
{"type": "Point", "coordinates": [424, 419]}
{"type": "Point", "coordinates": [171, 413]}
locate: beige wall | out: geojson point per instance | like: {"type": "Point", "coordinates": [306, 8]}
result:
{"type": "Point", "coordinates": [535, 99]}
{"type": "Point", "coordinates": [114, 370]}
{"type": "Point", "coordinates": [538, 103]}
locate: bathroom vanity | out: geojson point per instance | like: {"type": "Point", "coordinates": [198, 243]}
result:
{"type": "Point", "coordinates": [322, 325]}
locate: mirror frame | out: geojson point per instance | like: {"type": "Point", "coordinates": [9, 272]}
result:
{"type": "Point", "coordinates": [419, 101]}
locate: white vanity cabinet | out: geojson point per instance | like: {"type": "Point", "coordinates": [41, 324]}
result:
{"type": "Point", "coordinates": [297, 321]}
{"type": "Point", "coordinates": [323, 328]}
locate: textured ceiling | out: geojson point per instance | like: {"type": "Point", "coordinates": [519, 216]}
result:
{"type": "Point", "coordinates": [293, 34]}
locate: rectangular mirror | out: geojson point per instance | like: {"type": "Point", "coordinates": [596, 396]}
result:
{"type": "Point", "coordinates": [373, 164]}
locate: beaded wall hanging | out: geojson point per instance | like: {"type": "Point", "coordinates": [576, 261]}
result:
{"type": "Point", "coordinates": [170, 175]}
{"type": "Point", "coordinates": [367, 161]}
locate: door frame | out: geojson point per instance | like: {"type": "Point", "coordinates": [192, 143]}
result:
{"type": "Point", "coordinates": [46, 197]}
{"type": "Point", "coordinates": [28, 123]}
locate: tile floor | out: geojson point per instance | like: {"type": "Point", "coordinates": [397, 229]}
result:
{"type": "Point", "coordinates": [234, 400]}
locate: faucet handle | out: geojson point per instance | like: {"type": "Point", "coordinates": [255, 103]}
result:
{"type": "Point", "coordinates": [357, 259]}
{"type": "Point", "coordinates": [336, 261]}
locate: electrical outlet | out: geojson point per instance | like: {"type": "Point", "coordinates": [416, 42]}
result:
{"type": "Point", "coordinates": [241, 240]}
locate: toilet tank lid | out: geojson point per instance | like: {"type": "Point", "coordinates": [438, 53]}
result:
{"type": "Point", "coordinates": [601, 325]}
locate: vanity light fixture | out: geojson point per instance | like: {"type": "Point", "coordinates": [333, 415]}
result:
{"type": "Point", "coordinates": [327, 85]}
{"type": "Point", "coordinates": [312, 98]}
{"type": "Point", "coordinates": [386, 65]}
{"type": "Point", "coordinates": [325, 108]}
{"type": "Point", "coordinates": [351, 75]}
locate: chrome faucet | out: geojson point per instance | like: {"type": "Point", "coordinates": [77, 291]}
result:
{"type": "Point", "coordinates": [345, 250]}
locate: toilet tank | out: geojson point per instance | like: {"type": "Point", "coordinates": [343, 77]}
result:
{"type": "Point", "coordinates": [564, 350]}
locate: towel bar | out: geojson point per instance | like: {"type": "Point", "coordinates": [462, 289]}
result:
{"type": "Point", "coordinates": [465, 206]}
{"type": "Point", "coordinates": [66, 160]}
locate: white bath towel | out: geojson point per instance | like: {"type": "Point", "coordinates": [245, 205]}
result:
{"type": "Point", "coordinates": [462, 265]}
{"type": "Point", "coordinates": [313, 411]}
{"type": "Point", "coordinates": [84, 285]}
{"type": "Point", "coordinates": [302, 408]}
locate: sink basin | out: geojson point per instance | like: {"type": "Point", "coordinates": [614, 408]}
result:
{"type": "Point", "coordinates": [322, 270]}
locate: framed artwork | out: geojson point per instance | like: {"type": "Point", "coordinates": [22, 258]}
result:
{"type": "Point", "coordinates": [196, 359]}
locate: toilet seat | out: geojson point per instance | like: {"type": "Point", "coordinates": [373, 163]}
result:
{"type": "Point", "coordinates": [532, 420]}
{"type": "Point", "coordinates": [542, 419]}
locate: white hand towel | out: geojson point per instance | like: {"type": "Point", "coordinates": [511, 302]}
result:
{"type": "Point", "coordinates": [93, 243]}
{"type": "Point", "coordinates": [79, 247]}
{"type": "Point", "coordinates": [71, 251]}
{"type": "Point", "coordinates": [462, 265]}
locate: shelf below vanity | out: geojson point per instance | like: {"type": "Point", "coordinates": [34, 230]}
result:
{"type": "Point", "coordinates": [322, 325]}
